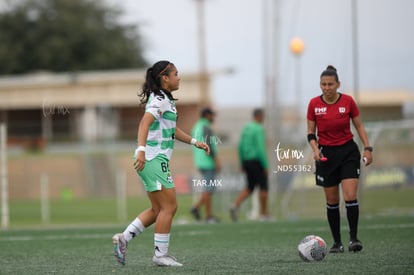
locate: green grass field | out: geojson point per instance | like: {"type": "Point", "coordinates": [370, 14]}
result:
{"type": "Point", "coordinates": [307, 204]}
{"type": "Point", "coordinates": [225, 248]}
{"type": "Point", "coordinates": [77, 239]}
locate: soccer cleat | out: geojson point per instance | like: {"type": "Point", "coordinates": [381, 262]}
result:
{"type": "Point", "coordinates": [233, 214]}
{"type": "Point", "coordinates": [355, 246]}
{"type": "Point", "coordinates": [166, 260]}
{"type": "Point", "coordinates": [196, 214]}
{"type": "Point", "coordinates": [120, 247]}
{"type": "Point", "coordinates": [265, 218]}
{"type": "Point", "coordinates": [212, 219]}
{"type": "Point", "coordinates": [337, 248]}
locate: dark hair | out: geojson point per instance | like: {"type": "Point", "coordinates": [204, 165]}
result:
{"type": "Point", "coordinates": [330, 71]}
{"type": "Point", "coordinates": [206, 111]}
{"type": "Point", "coordinates": [258, 112]}
{"type": "Point", "coordinates": [152, 82]}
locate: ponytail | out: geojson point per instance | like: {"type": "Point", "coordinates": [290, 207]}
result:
{"type": "Point", "coordinates": [152, 82]}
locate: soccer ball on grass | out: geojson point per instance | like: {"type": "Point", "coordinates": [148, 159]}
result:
{"type": "Point", "coordinates": [312, 248]}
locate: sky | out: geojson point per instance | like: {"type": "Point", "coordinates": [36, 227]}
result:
{"type": "Point", "coordinates": [235, 40]}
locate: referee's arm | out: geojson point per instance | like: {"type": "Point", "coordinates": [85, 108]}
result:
{"type": "Point", "coordinates": [313, 142]}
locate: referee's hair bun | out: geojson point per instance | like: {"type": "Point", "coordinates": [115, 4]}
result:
{"type": "Point", "coordinates": [331, 68]}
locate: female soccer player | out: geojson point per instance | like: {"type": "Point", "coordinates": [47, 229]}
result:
{"type": "Point", "coordinates": [336, 154]}
{"type": "Point", "coordinates": [157, 132]}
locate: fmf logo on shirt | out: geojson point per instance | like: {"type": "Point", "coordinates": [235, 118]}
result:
{"type": "Point", "coordinates": [342, 110]}
{"type": "Point", "coordinates": [320, 111]}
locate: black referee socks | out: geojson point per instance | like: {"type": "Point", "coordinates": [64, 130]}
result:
{"type": "Point", "coordinates": [334, 220]}
{"type": "Point", "coordinates": [352, 213]}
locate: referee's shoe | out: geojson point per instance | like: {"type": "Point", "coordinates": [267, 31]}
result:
{"type": "Point", "coordinates": [337, 248]}
{"type": "Point", "coordinates": [355, 246]}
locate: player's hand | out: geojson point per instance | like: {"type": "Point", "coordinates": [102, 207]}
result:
{"type": "Point", "coordinates": [139, 162]}
{"type": "Point", "coordinates": [317, 155]}
{"type": "Point", "coordinates": [367, 157]}
{"type": "Point", "coordinates": [204, 146]}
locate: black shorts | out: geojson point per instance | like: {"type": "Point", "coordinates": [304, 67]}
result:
{"type": "Point", "coordinates": [255, 175]}
{"type": "Point", "coordinates": [344, 162]}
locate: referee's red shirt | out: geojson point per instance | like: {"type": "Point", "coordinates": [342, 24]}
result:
{"type": "Point", "coordinates": [333, 120]}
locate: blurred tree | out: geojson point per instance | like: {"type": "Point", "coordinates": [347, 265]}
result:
{"type": "Point", "coordinates": [65, 35]}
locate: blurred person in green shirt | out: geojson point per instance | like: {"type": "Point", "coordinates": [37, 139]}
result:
{"type": "Point", "coordinates": [253, 159]}
{"type": "Point", "coordinates": [208, 165]}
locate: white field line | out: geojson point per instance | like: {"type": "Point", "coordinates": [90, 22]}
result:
{"type": "Point", "coordinates": [58, 237]}
{"type": "Point", "coordinates": [326, 228]}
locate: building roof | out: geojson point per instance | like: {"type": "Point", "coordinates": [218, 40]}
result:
{"type": "Point", "coordinates": [370, 98]}
{"type": "Point", "coordinates": [115, 88]}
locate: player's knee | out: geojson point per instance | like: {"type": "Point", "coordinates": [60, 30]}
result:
{"type": "Point", "coordinates": [350, 197]}
{"type": "Point", "coordinates": [332, 200]}
{"type": "Point", "coordinates": [249, 192]}
{"type": "Point", "coordinates": [170, 209]}
{"type": "Point", "coordinates": [155, 210]}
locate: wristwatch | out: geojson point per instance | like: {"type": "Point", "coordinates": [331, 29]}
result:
{"type": "Point", "coordinates": [368, 148]}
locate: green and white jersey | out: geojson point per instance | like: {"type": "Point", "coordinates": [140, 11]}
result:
{"type": "Point", "coordinates": [161, 132]}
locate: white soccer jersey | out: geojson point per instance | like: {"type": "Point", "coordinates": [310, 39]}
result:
{"type": "Point", "coordinates": [161, 134]}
